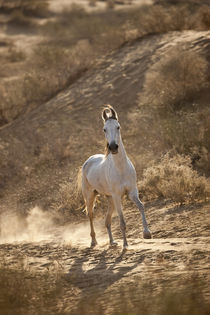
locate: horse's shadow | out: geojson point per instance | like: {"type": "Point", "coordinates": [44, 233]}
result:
{"type": "Point", "coordinates": [102, 275]}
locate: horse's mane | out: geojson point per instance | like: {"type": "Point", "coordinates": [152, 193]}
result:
{"type": "Point", "coordinates": [106, 151]}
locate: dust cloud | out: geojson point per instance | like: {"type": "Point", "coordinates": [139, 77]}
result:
{"type": "Point", "coordinates": [39, 225]}
{"type": "Point", "coordinates": [34, 227]}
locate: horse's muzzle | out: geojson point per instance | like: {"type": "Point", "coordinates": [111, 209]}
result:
{"type": "Point", "coordinates": [113, 147]}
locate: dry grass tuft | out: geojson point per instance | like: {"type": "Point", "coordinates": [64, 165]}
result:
{"type": "Point", "coordinates": [69, 198]}
{"type": "Point", "coordinates": [110, 4]}
{"type": "Point", "coordinates": [173, 178]}
{"type": "Point", "coordinates": [176, 79]}
{"type": "Point", "coordinates": [35, 8]}
{"type": "Point", "coordinates": [24, 292]}
{"type": "Point", "coordinates": [52, 292]}
{"type": "Point", "coordinates": [162, 19]}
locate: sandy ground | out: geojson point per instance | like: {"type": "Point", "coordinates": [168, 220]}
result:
{"type": "Point", "coordinates": [179, 248]}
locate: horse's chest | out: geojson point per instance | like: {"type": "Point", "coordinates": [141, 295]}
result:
{"type": "Point", "coordinates": [118, 182]}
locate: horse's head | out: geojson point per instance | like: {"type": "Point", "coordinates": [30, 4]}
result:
{"type": "Point", "coordinates": [111, 129]}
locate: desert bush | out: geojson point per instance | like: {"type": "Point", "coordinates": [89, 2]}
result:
{"type": "Point", "coordinates": [53, 69]}
{"type": "Point", "coordinates": [175, 80]}
{"type": "Point", "coordinates": [75, 41]}
{"type": "Point", "coordinates": [70, 195]}
{"type": "Point", "coordinates": [11, 101]}
{"type": "Point", "coordinates": [139, 298]}
{"type": "Point", "coordinates": [203, 16]}
{"type": "Point", "coordinates": [15, 55]}
{"type": "Point", "coordinates": [175, 102]}
{"type": "Point", "coordinates": [92, 3]}
{"type": "Point", "coordinates": [27, 7]}
{"type": "Point", "coordinates": [173, 178]}
{"type": "Point", "coordinates": [110, 4]}
{"type": "Point", "coordinates": [162, 19]}
{"type": "Point", "coordinates": [24, 292]}
{"type": "Point", "coordinates": [18, 19]}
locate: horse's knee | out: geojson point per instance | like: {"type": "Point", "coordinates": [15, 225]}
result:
{"type": "Point", "coordinates": [108, 221]}
{"type": "Point", "coordinates": [107, 224]}
{"type": "Point", "coordinates": [93, 234]}
{"type": "Point", "coordinates": [135, 198]}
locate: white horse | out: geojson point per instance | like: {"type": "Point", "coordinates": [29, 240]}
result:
{"type": "Point", "coordinates": [111, 175]}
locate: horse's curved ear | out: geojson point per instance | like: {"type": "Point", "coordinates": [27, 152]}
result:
{"type": "Point", "coordinates": [104, 115]}
{"type": "Point", "coordinates": [113, 112]}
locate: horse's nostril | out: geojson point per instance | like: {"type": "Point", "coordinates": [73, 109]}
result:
{"type": "Point", "coordinates": [113, 146]}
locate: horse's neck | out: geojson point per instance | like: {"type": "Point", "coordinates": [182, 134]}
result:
{"type": "Point", "coordinates": [120, 159]}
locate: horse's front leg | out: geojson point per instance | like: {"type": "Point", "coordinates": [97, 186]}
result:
{"type": "Point", "coordinates": [134, 196]}
{"type": "Point", "coordinates": [108, 221]}
{"type": "Point", "coordinates": [118, 207]}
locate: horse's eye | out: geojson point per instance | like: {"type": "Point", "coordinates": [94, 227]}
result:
{"type": "Point", "coordinates": [118, 127]}
{"type": "Point", "coordinates": [104, 129]}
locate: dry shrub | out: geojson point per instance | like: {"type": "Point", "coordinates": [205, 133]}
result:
{"type": "Point", "coordinates": [162, 19]}
{"type": "Point", "coordinates": [110, 4]}
{"type": "Point", "coordinates": [22, 291]}
{"type": "Point", "coordinates": [11, 101]}
{"type": "Point", "coordinates": [203, 16]}
{"type": "Point", "coordinates": [173, 178]}
{"type": "Point", "coordinates": [175, 79]}
{"type": "Point", "coordinates": [37, 8]}
{"type": "Point", "coordinates": [54, 68]}
{"type": "Point", "coordinates": [92, 3]}
{"type": "Point", "coordinates": [70, 196]}
{"type": "Point", "coordinates": [15, 55]}
{"type": "Point", "coordinates": [20, 20]}
{"type": "Point", "coordinates": [75, 39]}
{"type": "Point", "coordinates": [141, 297]}
{"type": "Point", "coordinates": [53, 292]}
{"type": "Point", "coordinates": [187, 133]}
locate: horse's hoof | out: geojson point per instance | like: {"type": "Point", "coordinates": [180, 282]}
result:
{"type": "Point", "coordinates": [147, 234]}
{"type": "Point", "coordinates": [113, 244]}
{"type": "Point", "coordinates": [93, 244]}
{"type": "Point", "coordinates": [125, 247]}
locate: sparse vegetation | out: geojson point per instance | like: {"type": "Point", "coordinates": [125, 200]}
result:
{"type": "Point", "coordinates": [174, 81]}
{"type": "Point", "coordinates": [24, 292]}
{"type": "Point", "coordinates": [173, 99]}
{"type": "Point", "coordinates": [76, 39]}
{"type": "Point", "coordinates": [49, 292]}
{"type": "Point", "coordinates": [36, 8]}
{"type": "Point", "coordinates": [173, 178]}
{"type": "Point", "coordinates": [69, 199]}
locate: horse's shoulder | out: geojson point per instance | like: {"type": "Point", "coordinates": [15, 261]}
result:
{"type": "Point", "coordinates": [94, 159]}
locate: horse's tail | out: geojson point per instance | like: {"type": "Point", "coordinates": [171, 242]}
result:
{"type": "Point", "coordinates": [79, 181]}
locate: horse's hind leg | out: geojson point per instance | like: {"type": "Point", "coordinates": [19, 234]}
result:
{"type": "Point", "coordinates": [89, 197]}
{"type": "Point", "coordinates": [89, 205]}
{"type": "Point", "coordinates": [109, 221]}
{"type": "Point", "coordinates": [118, 207]}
